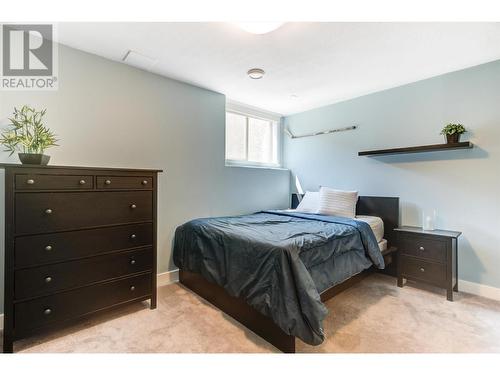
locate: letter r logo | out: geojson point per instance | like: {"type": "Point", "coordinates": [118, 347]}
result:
{"type": "Point", "coordinates": [27, 50]}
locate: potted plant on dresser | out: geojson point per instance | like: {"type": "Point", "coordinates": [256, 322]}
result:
{"type": "Point", "coordinates": [27, 134]}
{"type": "Point", "coordinates": [453, 132]}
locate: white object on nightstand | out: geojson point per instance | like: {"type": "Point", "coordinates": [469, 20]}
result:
{"type": "Point", "coordinates": [428, 219]}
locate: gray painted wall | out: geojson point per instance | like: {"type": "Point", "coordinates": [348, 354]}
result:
{"type": "Point", "coordinates": [463, 186]}
{"type": "Point", "coordinates": [110, 114]}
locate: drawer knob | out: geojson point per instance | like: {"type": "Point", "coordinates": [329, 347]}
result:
{"type": "Point", "coordinates": [133, 206]}
{"type": "Point", "coordinates": [47, 311]}
{"type": "Point", "coordinates": [132, 262]}
{"type": "Point", "coordinates": [421, 248]}
{"type": "Point", "coordinates": [82, 182]}
{"type": "Point", "coordinates": [133, 236]}
{"type": "Point", "coordinates": [48, 248]}
{"type": "Point", "coordinates": [107, 182]}
{"type": "Point", "coordinates": [145, 182]}
{"type": "Point", "coordinates": [30, 181]}
{"type": "Point", "coordinates": [132, 288]}
{"type": "Point", "coordinates": [422, 269]}
{"type": "Point", "coordinates": [48, 279]}
{"type": "Point", "coordinates": [48, 211]}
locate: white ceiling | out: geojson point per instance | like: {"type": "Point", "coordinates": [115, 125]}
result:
{"type": "Point", "coordinates": [320, 63]}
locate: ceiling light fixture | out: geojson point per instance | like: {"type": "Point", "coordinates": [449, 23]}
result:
{"type": "Point", "coordinates": [259, 27]}
{"type": "Point", "coordinates": [256, 73]}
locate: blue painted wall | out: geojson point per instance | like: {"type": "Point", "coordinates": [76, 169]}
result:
{"type": "Point", "coordinates": [463, 186]}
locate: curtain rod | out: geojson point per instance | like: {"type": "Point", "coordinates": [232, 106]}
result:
{"type": "Point", "coordinates": [291, 135]}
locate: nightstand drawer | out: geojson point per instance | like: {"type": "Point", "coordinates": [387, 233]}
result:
{"type": "Point", "coordinates": [423, 270]}
{"type": "Point", "coordinates": [422, 247]}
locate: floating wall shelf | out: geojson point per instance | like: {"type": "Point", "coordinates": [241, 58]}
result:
{"type": "Point", "coordinates": [414, 149]}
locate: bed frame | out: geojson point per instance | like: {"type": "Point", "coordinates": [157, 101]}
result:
{"type": "Point", "coordinates": [387, 208]}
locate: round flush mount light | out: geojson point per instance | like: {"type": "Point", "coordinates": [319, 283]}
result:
{"type": "Point", "coordinates": [259, 27]}
{"type": "Point", "coordinates": [256, 73]}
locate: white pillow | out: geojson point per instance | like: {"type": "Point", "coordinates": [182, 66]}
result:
{"type": "Point", "coordinates": [309, 203]}
{"type": "Point", "coordinates": [337, 202]}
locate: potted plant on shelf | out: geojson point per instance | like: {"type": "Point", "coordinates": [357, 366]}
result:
{"type": "Point", "coordinates": [26, 133]}
{"type": "Point", "coordinates": [453, 132]}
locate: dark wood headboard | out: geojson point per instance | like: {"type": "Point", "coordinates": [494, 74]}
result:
{"type": "Point", "coordinates": [387, 208]}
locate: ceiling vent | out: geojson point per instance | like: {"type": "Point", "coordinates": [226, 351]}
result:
{"type": "Point", "coordinates": [139, 61]}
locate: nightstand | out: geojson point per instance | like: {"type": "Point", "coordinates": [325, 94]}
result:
{"type": "Point", "coordinates": [429, 256]}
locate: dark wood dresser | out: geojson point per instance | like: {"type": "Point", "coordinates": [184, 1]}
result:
{"type": "Point", "coordinates": [78, 241]}
{"type": "Point", "coordinates": [430, 256]}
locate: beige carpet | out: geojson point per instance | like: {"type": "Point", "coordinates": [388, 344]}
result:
{"type": "Point", "coordinates": [373, 316]}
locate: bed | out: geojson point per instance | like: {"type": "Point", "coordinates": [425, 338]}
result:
{"type": "Point", "coordinates": [273, 270]}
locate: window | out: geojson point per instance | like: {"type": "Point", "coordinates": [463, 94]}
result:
{"type": "Point", "coordinates": [252, 140]}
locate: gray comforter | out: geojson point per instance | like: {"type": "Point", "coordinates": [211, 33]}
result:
{"type": "Point", "coordinates": [279, 261]}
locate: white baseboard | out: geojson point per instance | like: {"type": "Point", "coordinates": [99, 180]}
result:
{"type": "Point", "coordinates": [479, 289]}
{"type": "Point", "coordinates": [166, 278]}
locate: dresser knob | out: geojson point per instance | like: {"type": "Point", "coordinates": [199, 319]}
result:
{"type": "Point", "coordinates": [82, 182]}
{"type": "Point", "coordinates": [30, 181]}
{"type": "Point", "coordinates": [421, 248]}
{"type": "Point", "coordinates": [133, 236]}
{"type": "Point", "coordinates": [133, 206]}
{"type": "Point", "coordinates": [422, 269]}
{"type": "Point", "coordinates": [48, 279]}
{"type": "Point", "coordinates": [145, 182]}
{"type": "Point", "coordinates": [48, 211]}
{"type": "Point", "coordinates": [48, 248]}
{"type": "Point", "coordinates": [132, 262]}
{"type": "Point", "coordinates": [132, 288]}
{"type": "Point", "coordinates": [47, 311]}
{"type": "Point", "coordinates": [107, 182]}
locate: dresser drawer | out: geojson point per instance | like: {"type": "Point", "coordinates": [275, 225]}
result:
{"type": "Point", "coordinates": [42, 280]}
{"type": "Point", "coordinates": [420, 269]}
{"type": "Point", "coordinates": [126, 182]}
{"type": "Point", "coordinates": [422, 247]}
{"type": "Point", "coordinates": [56, 247]}
{"type": "Point", "coordinates": [48, 212]}
{"type": "Point", "coordinates": [76, 303]}
{"type": "Point", "coordinates": [53, 182]}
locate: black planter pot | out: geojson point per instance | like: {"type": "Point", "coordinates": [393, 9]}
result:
{"type": "Point", "coordinates": [35, 159]}
{"type": "Point", "coordinates": [453, 138]}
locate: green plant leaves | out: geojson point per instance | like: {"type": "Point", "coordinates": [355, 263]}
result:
{"type": "Point", "coordinates": [451, 129]}
{"type": "Point", "coordinates": [27, 133]}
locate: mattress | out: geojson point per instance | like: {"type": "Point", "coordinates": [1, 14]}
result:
{"type": "Point", "coordinates": [382, 245]}
{"type": "Point", "coordinates": [376, 224]}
